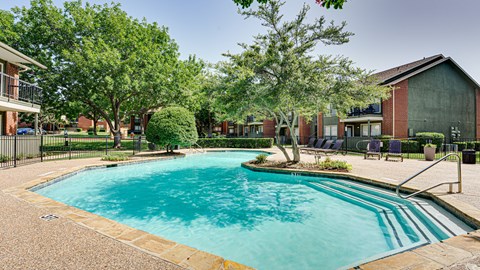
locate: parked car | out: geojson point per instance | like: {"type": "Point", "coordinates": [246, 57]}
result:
{"type": "Point", "coordinates": [24, 131]}
{"type": "Point", "coordinates": [32, 132]}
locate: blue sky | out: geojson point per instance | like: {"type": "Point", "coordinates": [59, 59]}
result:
{"type": "Point", "coordinates": [387, 33]}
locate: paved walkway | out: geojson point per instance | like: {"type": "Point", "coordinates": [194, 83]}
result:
{"type": "Point", "coordinates": [27, 242]}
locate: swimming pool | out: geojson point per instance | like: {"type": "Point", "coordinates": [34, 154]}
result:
{"type": "Point", "coordinates": [264, 220]}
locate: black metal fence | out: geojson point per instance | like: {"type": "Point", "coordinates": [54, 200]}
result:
{"type": "Point", "coordinates": [411, 147]}
{"type": "Point", "coordinates": [25, 149]}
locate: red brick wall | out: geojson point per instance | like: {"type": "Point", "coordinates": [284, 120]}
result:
{"type": "Point", "coordinates": [478, 113]}
{"type": "Point", "coordinates": [320, 125]}
{"type": "Point", "coordinates": [84, 123]}
{"type": "Point", "coordinates": [401, 111]}
{"type": "Point", "coordinates": [225, 127]}
{"type": "Point", "coordinates": [268, 128]}
{"type": "Point", "coordinates": [341, 129]}
{"type": "Point", "coordinates": [304, 130]}
{"type": "Point", "coordinates": [11, 118]}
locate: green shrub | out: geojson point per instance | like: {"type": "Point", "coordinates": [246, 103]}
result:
{"type": "Point", "coordinates": [116, 157]}
{"type": "Point", "coordinates": [329, 164]}
{"type": "Point", "coordinates": [476, 145]}
{"type": "Point", "coordinates": [461, 145]}
{"type": "Point", "coordinates": [409, 146]}
{"type": "Point", "coordinates": [4, 158]}
{"type": "Point", "coordinates": [260, 159]}
{"type": "Point", "coordinates": [385, 139]}
{"type": "Point", "coordinates": [235, 142]}
{"type": "Point", "coordinates": [430, 145]}
{"type": "Point", "coordinates": [430, 137]}
{"type": "Point", "coordinates": [79, 130]}
{"type": "Point", "coordinates": [172, 126]}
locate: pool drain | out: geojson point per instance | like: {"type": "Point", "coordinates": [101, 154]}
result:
{"type": "Point", "coordinates": [49, 217]}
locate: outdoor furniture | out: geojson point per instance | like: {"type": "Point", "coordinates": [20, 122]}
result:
{"type": "Point", "coordinates": [334, 150]}
{"type": "Point", "coordinates": [394, 150]}
{"type": "Point", "coordinates": [373, 149]}
{"type": "Point", "coordinates": [317, 145]}
{"type": "Point", "coordinates": [311, 143]}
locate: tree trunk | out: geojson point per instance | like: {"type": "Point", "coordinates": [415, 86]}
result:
{"type": "Point", "coordinates": [277, 136]}
{"type": "Point", "coordinates": [210, 126]}
{"type": "Point", "coordinates": [117, 139]}
{"type": "Point", "coordinates": [95, 123]}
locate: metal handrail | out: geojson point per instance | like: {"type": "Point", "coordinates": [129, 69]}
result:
{"type": "Point", "coordinates": [459, 175]}
{"type": "Point", "coordinates": [195, 149]}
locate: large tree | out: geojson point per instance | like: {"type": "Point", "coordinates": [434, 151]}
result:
{"type": "Point", "coordinates": [279, 77]}
{"type": "Point", "coordinates": [105, 59]}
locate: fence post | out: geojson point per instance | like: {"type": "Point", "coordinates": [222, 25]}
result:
{"type": "Point", "coordinates": [69, 148]}
{"type": "Point", "coordinates": [15, 150]}
{"type": "Point", "coordinates": [409, 146]}
{"type": "Point", "coordinates": [106, 145]}
{"type": "Point", "coordinates": [41, 148]}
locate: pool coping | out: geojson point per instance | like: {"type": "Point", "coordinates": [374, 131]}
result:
{"type": "Point", "coordinates": [431, 256]}
{"type": "Point", "coordinates": [179, 254]}
{"type": "Point", "coordinates": [191, 258]}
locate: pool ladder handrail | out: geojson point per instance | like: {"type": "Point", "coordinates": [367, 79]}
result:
{"type": "Point", "coordinates": [196, 148]}
{"type": "Point", "coordinates": [459, 180]}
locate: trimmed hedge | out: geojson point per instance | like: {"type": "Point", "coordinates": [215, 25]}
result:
{"type": "Point", "coordinates": [467, 145]}
{"type": "Point", "coordinates": [430, 137]}
{"type": "Point", "coordinates": [409, 146]}
{"type": "Point", "coordinates": [235, 142]}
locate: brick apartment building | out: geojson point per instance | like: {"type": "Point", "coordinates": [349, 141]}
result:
{"type": "Point", "coordinates": [16, 95]}
{"type": "Point", "coordinates": [433, 94]}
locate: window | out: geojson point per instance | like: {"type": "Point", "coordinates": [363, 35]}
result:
{"type": "Point", "coordinates": [375, 129]}
{"type": "Point", "coordinates": [231, 131]}
{"type": "Point", "coordinates": [260, 129]}
{"type": "Point", "coordinates": [330, 131]}
{"type": "Point", "coordinates": [330, 111]}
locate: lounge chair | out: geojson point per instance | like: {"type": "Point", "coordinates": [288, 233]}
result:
{"type": "Point", "coordinates": [314, 151]}
{"type": "Point", "coordinates": [311, 143]}
{"type": "Point", "coordinates": [319, 144]}
{"type": "Point", "coordinates": [394, 150]}
{"type": "Point", "coordinates": [373, 149]}
{"type": "Point", "coordinates": [334, 150]}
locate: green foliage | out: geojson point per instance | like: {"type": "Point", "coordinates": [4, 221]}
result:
{"type": "Point", "coordinates": [79, 129]}
{"type": "Point", "coordinates": [4, 158]}
{"type": "Point", "coordinates": [235, 142]}
{"type": "Point", "coordinates": [336, 4]}
{"type": "Point", "coordinates": [430, 137]}
{"type": "Point", "coordinates": [172, 126]}
{"type": "Point", "coordinates": [329, 164]}
{"type": "Point", "coordinates": [410, 146]}
{"type": "Point", "coordinates": [104, 62]}
{"type": "Point", "coordinates": [461, 145]}
{"type": "Point", "coordinates": [277, 76]}
{"type": "Point", "coordinates": [430, 145]}
{"type": "Point", "coordinates": [116, 157]}
{"type": "Point", "coordinates": [260, 159]}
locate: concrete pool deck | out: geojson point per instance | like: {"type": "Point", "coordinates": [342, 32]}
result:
{"type": "Point", "coordinates": [75, 242]}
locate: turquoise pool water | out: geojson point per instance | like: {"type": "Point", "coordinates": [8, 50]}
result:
{"type": "Point", "coordinates": [264, 220]}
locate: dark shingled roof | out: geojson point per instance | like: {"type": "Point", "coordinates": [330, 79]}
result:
{"type": "Point", "coordinates": [389, 75]}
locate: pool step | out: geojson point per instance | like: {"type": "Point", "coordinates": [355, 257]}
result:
{"type": "Point", "coordinates": [409, 219]}
{"type": "Point", "coordinates": [444, 224]}
{"type": "Point", "coordinates": [393, 231]}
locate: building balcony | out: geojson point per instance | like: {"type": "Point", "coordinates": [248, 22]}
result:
{"type": "Point", "coordinates": [19, 96]}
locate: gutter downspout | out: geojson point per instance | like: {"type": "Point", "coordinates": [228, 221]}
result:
{"type": "Point", "coordinates": [393, 114]}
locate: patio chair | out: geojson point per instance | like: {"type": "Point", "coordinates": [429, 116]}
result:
{"type": "Point", "coordinates": [319, 144]}
{"type": "Point", "coordinates": [334, 150]}
{"type": "Point", "coordinates": [373, 149]}
{"type": "Point", "coordinates": [394, 150]}
{"type": "Point", "coordinates": [311, 143]}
